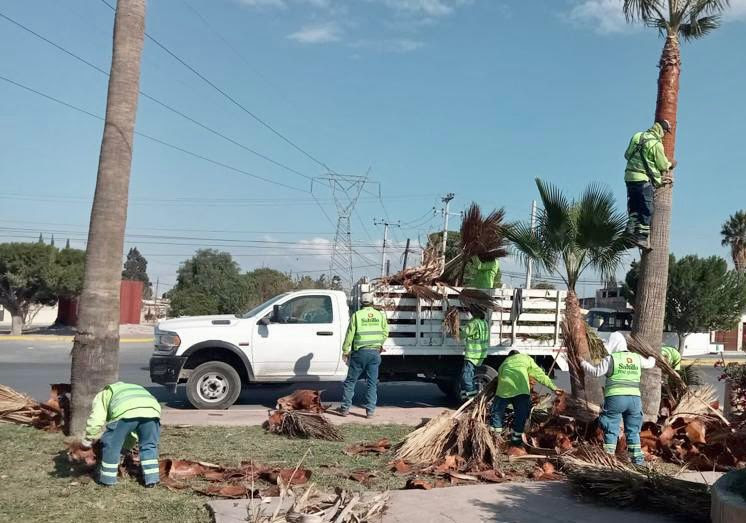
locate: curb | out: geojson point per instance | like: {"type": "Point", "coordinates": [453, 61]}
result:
{"type": "Point", "coordinates": [67, 339]}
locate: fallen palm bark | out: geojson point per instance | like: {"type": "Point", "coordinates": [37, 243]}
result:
{"type": "Point", "coordinates": [20, 409]}
{"type": "Point", "coordinates": [304, 425]}
{"type": "Point", "coordinates": [600, 478]}
{"type": "Point", "coordinates": [304, 400]}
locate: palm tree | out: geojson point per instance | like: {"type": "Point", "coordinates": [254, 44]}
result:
{"type": "Point", "coordinates": [675, 19]}
{"type": "Point", "coordinates": [734, 236]}
{"type": "Point", "coordinates": [95, 355]}
{"type": "Point", "coordinates": [569, 238]}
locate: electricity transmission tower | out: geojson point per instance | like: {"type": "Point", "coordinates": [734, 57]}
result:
{"type": "Point", "coordinates": [345, 190]}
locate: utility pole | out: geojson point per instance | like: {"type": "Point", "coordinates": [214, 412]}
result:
{"type": "Point", "coordinates": [529, 264]}
{"type": "Point", "coordinates": [406, 255]}
{"type": "Point", "coordinates": [447, 201]}
{"type": "Point", "coordinates": [386, 226]}
{"type": "Point", "coordinates": [155, 297]}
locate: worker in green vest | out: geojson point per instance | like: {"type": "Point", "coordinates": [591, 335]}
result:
{"type": "Point", "coordinates": [647, 169]}
{"type": "Point", "coordinates": [476, 337]}
{"type": "Point", "coordinates": [481, 273]}
{"type": "Point", "coordinates": [623, 371]}
{"type": "Point", "coordinates": [514, 388]}
{"type": "Point", "coordinates": [672, 356]}
{"type": "Point", "coordinates": [129, 413]}
{"type": "Point", "coordinates": [361, 351]}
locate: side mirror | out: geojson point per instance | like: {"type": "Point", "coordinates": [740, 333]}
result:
{"type": "Point", "coordinates": [264, 321]}
{"type": "Point", "coordinates": [276, 314]}
{"type": "Point", "coordinates": [597, 322]}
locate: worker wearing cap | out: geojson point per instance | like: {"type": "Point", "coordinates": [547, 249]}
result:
{"type": "Point", "coordinates": [672, 356]}
{"type": "Point", "coordinates": [514, 388]}
{"type": "Point", "coordinates": [647, 169]}
{"type": "Point", "coordinates": [129, 413]}
{"type": "Point", "coordinates": [623, 371]}
{"type": "Point", "coordinates": [482, 272]}
{"type": "Point", "coordinates": [476, 336]}
{"type": "Point", "coordinates": [361, 351]}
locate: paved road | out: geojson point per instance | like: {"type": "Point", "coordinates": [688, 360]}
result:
{"type": "Point", "coordinates": [31, 366]}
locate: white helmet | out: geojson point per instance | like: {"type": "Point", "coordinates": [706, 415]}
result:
{"type": "Point", "coordinates": [366, 298]}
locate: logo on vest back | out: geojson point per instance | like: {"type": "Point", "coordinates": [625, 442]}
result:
{"type": "Point", "coordinates": [630, 360]}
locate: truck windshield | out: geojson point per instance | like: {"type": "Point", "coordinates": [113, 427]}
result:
{"type": "Point", "coordinates": [268, 303]}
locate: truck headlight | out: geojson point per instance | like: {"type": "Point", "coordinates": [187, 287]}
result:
{"type": "Point", "coordinates": [167, 341]}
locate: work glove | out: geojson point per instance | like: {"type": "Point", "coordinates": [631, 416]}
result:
{"type": "Point", "coordinates": [346, 358]}
{"type": "Point", "coordinates": [559, 392]}
{"type": "Point", "coordinates": [86, 444]}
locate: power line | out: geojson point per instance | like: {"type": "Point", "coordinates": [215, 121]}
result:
{"type": "Point", "coordinates": [152, 138]}
{"type": "Point", "coordinates": [159, 102]}
{"type": "Point", "coordinates": [230, 98]}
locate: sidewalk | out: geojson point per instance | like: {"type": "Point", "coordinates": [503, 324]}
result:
{"type": "Point", "coordinates": [255, 417]}
{"type": "Point", "coordinates": [547, 502]}
{"type": "Point", "coordinates": [127, 333]}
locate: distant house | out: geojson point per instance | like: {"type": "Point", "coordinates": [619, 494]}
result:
{"type": "Point", "coordinates": [733, 339]}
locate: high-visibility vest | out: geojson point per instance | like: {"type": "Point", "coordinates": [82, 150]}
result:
{"type": "Point", "coordinates": [127, 398]}
{"type": "Point", "coordinates": [625, 375]}
{"type": "Point", "coordinates": [476, 341]}
{"type": "Point", "coordinates": [369, 328]}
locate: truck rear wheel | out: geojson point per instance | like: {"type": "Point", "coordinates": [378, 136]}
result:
{"type": "Point", "coordinates": [484, 375]}
{"type": "Point", "coordinates": [452, 388]}
{"type": "Point", "coordinates": [213, 385]}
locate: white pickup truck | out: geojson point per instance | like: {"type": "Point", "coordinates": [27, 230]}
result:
{"type": "Point", "coordinates": [297, 337]}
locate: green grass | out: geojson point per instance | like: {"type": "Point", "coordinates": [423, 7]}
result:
{"type": "Point", "coordinates": [37, 483]}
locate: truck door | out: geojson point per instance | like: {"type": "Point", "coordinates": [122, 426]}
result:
{"type": "Point", "coordinates": [303, 340]}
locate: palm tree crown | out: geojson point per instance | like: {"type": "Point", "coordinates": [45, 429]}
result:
{"type": "Point", "coordinates": [574, 235]}
{"type": "Point", "coordinates": [734, 236]}
{"type": "Point", "coordinates": [690, 19]}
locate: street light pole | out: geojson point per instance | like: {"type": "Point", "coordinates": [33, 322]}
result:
{"type": "Point", "coordinates": [447, 201]}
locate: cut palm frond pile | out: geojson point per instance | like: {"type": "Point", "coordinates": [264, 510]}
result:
{"type": "Point", "coordinates": [425, 274]}
{"type": "Point", "coordinates": [643, 348]}
{"type": "Point", "coordinates": [464, 434]}
{"type": "Point", "coordinates": [18, 408]}
{"type": "Point", "coordinates": [600, 478]}
{"type": "Point", "coordinates": [302, 425]}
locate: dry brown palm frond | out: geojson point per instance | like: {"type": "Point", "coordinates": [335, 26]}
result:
{"type": "Point", "coordinates": [304, 425]}
{"type": "Point", "coordinates": [424, 293]}
{"type": "Point", "coordinates": [595, 345]}
{"type": "Point", "coordinates": [482, 236]}
{"type": "Point", "coordinates": [452, 323]}
{"type": "Point", "coordinates": [696, 402]}
{"type": "Point", "coordinates": [604, 479]}
{"type": "Point", "coordinates": [474, 298]}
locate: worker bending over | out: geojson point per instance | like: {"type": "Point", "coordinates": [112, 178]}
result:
{"type": "Point", "coordinates": [482, 272]}
{"type": "Point", "coordinates": [647, 169]}
{"type": "Point", "coordinates": [476, 336]}
{"type": "Point", "coordinates": [672, 356]}
{"type": "Point", "coordinates": [129, 413]}
{"type": "Point", "coordinates": [514, 388]}
{"type": "Point", "coordinates": [361, 351]}
{"type": "Point", "coordinates": [623, 371]}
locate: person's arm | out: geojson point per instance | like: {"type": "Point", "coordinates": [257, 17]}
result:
{"type": "Point", "coordinates": [647, 363]}
{"type": "Point", "coordinates": [97, 418]}
{"type": "Point", "coordinates": [630, 148]}
{"type": "Point", "coordinates": [597, 370]}
{"type": "Point", "coordinates": [537, 373]}
{"type": "Point", "coordinates": [385, 326]}
{"type": "Point", "coordinates": [347, 344]}
{"type": "Point", "coordinates": [659, 158]}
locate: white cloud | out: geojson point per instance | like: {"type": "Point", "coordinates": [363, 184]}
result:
{"type": "Point", "coordinates": [393, 45]}
{"type": "Point", "coordinates": [317, 33]}
{"type": "Point", "coordinates": [606, 16]}
{"type": "Point", "coordinates": [432, 8]}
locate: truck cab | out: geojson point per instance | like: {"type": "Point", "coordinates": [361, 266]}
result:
{"type": "Point", "coordinates": [292, 337]}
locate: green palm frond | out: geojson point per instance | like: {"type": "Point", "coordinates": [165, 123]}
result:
{"type": "Point", "coordinates": [529, 245]}
{"type": "Point", "coordinates": [645, 11]}
{"type": "Point", "coordinates": [734, 230]}
{"type": "Point", "coordinates": [689, 18]}
{"type": "Point", "coordinates": [555, 219]}
{"type": "Point", "coordinates": [699, 28]}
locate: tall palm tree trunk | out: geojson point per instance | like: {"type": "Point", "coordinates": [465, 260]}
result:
{"type": "Point", "coordinates": [95, 355]}
{"type": "Point", "coordinates": [739, 258]}
{"type": "Point", "coordinates": [652, 286]}
{"type": "Point", "coordinates": [581, 385]}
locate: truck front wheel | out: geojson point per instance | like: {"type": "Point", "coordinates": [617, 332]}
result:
{"type": "Point", "coordinates": [213, 385]}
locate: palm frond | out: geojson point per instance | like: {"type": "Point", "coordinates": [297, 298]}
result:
{"type": "Point", "coordinates": [528, 245]}
{"type": "Point", "coordinates": [699, 28]}
{"type": "Point", "coordinates": [645, 11]}
{"type": "Point", "coordinates": [481, 236]}
{"type": "Point", "coordinates": [555, 218]}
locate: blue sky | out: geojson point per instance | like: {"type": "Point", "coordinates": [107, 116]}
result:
{"type": "Point", "coordinates": [475, 97]}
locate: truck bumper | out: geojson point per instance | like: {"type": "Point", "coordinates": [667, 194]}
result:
{"type": "Point", "coordinates": [166, 370]}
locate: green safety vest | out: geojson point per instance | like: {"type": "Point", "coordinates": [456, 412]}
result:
{"type": "Point", "coordinates": [672, 356]}
{"type": "Point", "coordinates": [625, 374]}
{"type": "Point", "coordinates": [476, 341]}
{"type": "Point", "coordinates": [127, 397]}
{"type": "Point", "coordinates": [369, 329]}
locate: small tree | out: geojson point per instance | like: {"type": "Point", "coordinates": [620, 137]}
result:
{"type": "Point", "coordinates": [69, 268]}
{"type": "Point", "coordinates": [136, 268]}
{"type": "Point", "coordinates": [703, 295]}
{"type": "Point", "coordinates": [27, 278]}
{"type": "Point", "coordinates": [265, 283]}
{"type": "Point", "coordinates": [734, 236]}
{"type": "Point", "coordinates": [209, 283]}
{"type": "Point", "coordinates": [453, 241]}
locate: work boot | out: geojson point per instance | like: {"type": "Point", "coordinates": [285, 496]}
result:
{"type": "Point", "coordinates": [370, 414]}
{"type": "Point", "coordinates": [496, 431]}
{"type": "Point", "coordinates": [643, 244]}
{"type": "Point", "coordinates": [341, 411]}
{"type": "Point", "coordinates": [151, 485]}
